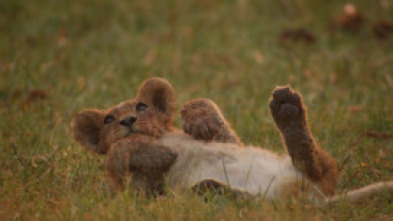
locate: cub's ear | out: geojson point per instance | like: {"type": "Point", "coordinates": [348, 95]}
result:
{"type": "Point", "coordinates": [159, 93]}
{"type": "Point", "coordinates": [86, 127]}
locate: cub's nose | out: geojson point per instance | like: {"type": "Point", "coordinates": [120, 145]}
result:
{"type": "Point", "coordinates": [128, 121]}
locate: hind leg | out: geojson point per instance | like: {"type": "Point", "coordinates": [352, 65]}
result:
{"type": "Point", "coordinates": [289, 113]}
{"type": "Point", "coordinates": [203, 120]}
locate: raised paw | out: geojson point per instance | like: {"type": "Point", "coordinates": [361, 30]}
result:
{"type": "Point", "coordinates": [203, 120]}
{"type": "Point", "coordinates": [287, 108]}
{"type": "Point", "coordinates": [289, 113]}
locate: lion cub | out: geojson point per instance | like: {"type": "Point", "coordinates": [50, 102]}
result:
{"type": "Point", "coordinates": [140, 143]}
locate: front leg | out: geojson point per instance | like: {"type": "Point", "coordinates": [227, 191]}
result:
{"type": "Point", "coordinates": [289, 114]}
{"type": "Point", "coordinates": [142, 160]}
{"type": "Point", "coordinates": [203, 120]}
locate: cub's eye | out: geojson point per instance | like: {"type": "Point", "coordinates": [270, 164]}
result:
{"type": "Point", "coordinates": [141, 107]}
{"type": "Point", "coordinates": [109, 118]}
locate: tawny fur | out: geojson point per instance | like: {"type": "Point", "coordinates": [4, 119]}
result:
{"type": "Point", "coordinates": [290, 116]}
{"type": "Point", "coordinates": [142, 146]}
{"type": "Point", "coordinates": [203, 120]}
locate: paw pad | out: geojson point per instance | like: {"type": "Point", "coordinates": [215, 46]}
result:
{"type": "Point", "coordinates": [286, 106]}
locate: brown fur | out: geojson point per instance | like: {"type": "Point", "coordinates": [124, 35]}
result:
{"type": "Point", "coordinates": [138, 155]}
{"type": "Point", "coordinates": [204, 121]}
{"type": "Point", "coordinates": [289, 114]}
{"type": "Point", "coordinates": [129, 136]}
{"type": "Point", "coordinates": [142, 158]}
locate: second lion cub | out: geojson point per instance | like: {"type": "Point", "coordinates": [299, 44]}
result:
{"type": "Point", "coordinates": [139, 141]}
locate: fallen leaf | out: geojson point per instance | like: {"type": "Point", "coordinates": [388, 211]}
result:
{"type": "Point", "coordinates": [383, 29]}
{"type": "Point", "coordinates": [62, 39]}
{"type": "Point", "coordinates": [382, 135]}
{"type": "Point", "coordinates": [389, 80]}
{"type": "Point", "coordinates": [258, 57]}
{"type": "Point", "coordinates": [7, 66]}
{"type": "Point", "coordinates": [150, 57]}
{"type": "Point", "coordinates": [36, 95]}
{"type": "Point", "coordinates": [81, 83]}
{"type": "Point", "coordinates": [297, 35]}
{"type": "Point", "coordinates": [350, 19]}
{"type": "Point", "coordinates": [355, 109]}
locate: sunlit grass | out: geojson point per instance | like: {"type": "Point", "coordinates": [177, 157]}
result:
{"type": "Point", "coordinates": [95, 53]}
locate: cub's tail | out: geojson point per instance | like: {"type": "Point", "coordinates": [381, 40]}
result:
{"type": "Point", "coordinates": [360, 195]}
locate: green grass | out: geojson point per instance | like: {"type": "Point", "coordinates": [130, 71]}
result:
{"type": "Point", "coordinates": [95, 53]}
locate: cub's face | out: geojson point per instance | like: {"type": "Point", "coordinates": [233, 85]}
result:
{"type": "Point", "coordinates": [132, 118]}
{"type": "Point", "coordinates": [149, 114]}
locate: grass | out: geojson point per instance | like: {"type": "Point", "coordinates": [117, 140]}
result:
{"type": "Point", "coordinates": [58, 57]}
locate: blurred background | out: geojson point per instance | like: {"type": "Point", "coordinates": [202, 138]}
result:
{"type": "Point", "coordinates": [58, 57]}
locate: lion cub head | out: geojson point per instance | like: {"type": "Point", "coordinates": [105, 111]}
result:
{"type": "Point", "coordinates": [150, 114]}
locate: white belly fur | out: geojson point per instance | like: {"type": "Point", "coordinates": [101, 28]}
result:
{"type": "Point", "coordinates": [251, 169]}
